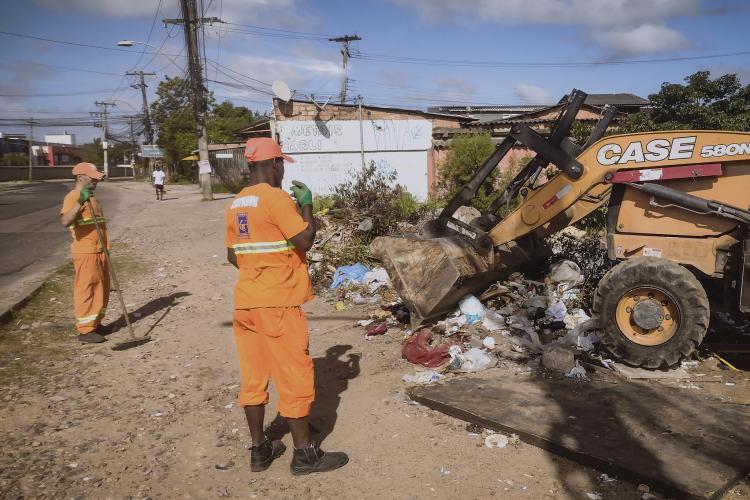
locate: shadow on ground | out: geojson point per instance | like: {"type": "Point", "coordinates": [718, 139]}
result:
{"type": "Point", "coordinates": [149, 309]}
{"type": "Point", "coordinates": [332, 375]}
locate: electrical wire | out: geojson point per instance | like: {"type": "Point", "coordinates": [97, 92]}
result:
{"type": "Point", "coordinates": [61, 94]}
{"type": "Point", "coordinates": [65, 42]}
{"type": "Point", "coordinates": [150, 32]}
{"type": "Point", "coordinates": [509, 64]}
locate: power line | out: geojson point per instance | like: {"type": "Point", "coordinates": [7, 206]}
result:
{"type": "Point", "coordinates": [265, 28]}
{"type": "Point", "coordinates": [77, 44]}
{"type": "Point", "coordinates": [510, 64]}
{"type": "Point", "coordinates": [81, 92]}
{"type": "Point", "coordinates": [150, 32]}
{"type": "Point", "coordinates": [68, 68]}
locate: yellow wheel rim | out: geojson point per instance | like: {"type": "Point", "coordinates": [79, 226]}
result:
{"type": "Point", "coordinates": [666, 321]}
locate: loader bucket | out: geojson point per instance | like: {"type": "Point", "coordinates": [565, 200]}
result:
{"type": "Point", "coordinates": [432, 274]}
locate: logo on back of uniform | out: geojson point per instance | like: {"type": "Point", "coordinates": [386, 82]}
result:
{"type": "Point", "coordinates": [243, 230]}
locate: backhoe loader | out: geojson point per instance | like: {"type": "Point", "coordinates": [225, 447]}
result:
{"type": "Point", "coordinates": [677, 222]}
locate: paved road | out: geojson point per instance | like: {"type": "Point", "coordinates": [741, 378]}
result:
{"type": "Point", "coordinates": [32, 240]}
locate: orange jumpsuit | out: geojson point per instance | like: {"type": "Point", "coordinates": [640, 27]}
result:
{"type": "Point", "coordinates": [269, 326]}
{"type": "Point", "coordinates": [91, 281]}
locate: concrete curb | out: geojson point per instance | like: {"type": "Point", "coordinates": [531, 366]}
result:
{"type": "Point", "coordinates": [7, 315]}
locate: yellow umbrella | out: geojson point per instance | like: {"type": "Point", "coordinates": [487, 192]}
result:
{"type": "Point", "coordinates": [190, 158]}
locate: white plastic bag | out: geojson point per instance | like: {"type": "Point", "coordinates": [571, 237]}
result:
{"type": "Point", "coordinates": [472, 309]}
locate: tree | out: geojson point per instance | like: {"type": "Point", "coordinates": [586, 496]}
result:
{"type": "Point", "coordinates": [466, 153]}
{"type": "Point", "coordinates": [172, 114]}
{"type": "Point", "coordinates": [225, 120]}
{"type": "Point", "coordinates": [701, 104]}
{"type": "Point", "coordinates": [92, 152]}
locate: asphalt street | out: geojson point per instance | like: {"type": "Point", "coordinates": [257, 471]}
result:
{"type": "Point", "coordinates": [32, 240]}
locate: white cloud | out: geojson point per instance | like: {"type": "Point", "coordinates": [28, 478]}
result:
{"type": "Point", "coordinates": [596, 18]}
{"type": "Point", "coordinates": [643, 39]}
{"type": "Point", "coordinates": [532, 94]}
{"type": "Point", "coordinates": [298, 74]}
{"type": "Point", "coordinates": [456, 85]}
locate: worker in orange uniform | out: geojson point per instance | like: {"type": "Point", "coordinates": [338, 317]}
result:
{"type": "Point", "coordinates": [91, 282]}
{"type": "Point", "coordinates": [267, 235]}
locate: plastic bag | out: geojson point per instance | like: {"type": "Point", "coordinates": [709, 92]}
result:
{"type": "Point", "coordinates": [349, 274]}
{"type": "Point", "coordinates": [472, 309]}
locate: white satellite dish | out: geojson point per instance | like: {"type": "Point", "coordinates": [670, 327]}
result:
{"type": "Point", "coordinates": [281, 90]}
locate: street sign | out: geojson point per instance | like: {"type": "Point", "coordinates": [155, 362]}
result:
{"type": "Point", "coordinates": [151, 151]}
{"type": "Point", "coordinates": [225, 156]}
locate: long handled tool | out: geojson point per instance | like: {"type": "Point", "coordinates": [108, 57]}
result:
{"type": "Point", "coordinates": [133, 341]}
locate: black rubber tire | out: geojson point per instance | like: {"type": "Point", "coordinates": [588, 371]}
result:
{"type": "Point", "coordinates": [680, 283]}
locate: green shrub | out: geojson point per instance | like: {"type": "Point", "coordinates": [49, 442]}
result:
{"type": "Point", "coordinates": [466, 153]}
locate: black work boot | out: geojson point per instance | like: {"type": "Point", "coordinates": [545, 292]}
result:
{"type": "Point", "coordinates": [312, 459]}
{"type": "Point", "coordinates": [262, 455]}
{"type": "Point", "coordinates": [91, 338]}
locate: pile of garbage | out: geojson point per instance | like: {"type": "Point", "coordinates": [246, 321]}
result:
{"type": "Point", "coordinates": [519, 319]}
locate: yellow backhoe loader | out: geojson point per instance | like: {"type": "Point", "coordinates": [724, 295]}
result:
{"type": "Point", "coordinates": [677, 221]}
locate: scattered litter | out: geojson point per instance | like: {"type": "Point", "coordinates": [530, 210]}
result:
{"type": "Point", "coordinates": [365, 322]}
{"type": "Point", "coordinates": [577, 372]}
{"type": "Point", "coordinates": [472, 309]}
{"type": "Point", "coordinates": [349, 274]}
{"type": "Point", "coordinates": [496, 441]}
{"type": "Point", "coordinates": [594, 496]}
{"type": "Point", "coordinates": [425, 377]}
{"type": "Point", "coordinates": [375, 330]}
{"type": "Point", "coordinates": [471, 361]}
{"type": "Point", "coordinates": [488, 342]}
{"type": "Point", "coordinates": [417, 349]}
{"type": "Point", "coordinates": [340, 306]}
{"type": "Point", "coordinates": [493, 321]}
{"type": "Point", "coordinates": [565, 272]}
{"type": "Point", "coordinates": [366, 225]}
{"type": "Point", "coordinates": [375, 279]}
{"type": "Point", "coordinates": [557, 311]}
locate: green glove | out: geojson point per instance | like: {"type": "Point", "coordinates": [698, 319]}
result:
{"type": "Point", "coordinates": [86, 193]}
{"type": "Point", "coordinates": [301, 193]}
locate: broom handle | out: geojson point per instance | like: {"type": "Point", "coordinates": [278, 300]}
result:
{"type": "Point", "coordinates": [111, 268]}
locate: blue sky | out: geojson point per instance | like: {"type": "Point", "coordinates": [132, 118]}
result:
{"type": "Point", "coordinates": [403, 60]}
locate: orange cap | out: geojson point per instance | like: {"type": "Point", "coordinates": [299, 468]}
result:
{"type": "Point", "coordinates": [88, 169]}
{"type": "Point", "coordinates": [264, 148]}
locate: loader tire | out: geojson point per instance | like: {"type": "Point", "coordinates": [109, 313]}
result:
{"type": "Point", "coordinates": [652, 312]}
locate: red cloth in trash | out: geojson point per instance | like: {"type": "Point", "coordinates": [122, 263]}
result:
{"type": "Point", "coordinates": [417, 349]}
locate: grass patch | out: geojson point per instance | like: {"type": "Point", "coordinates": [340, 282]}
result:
{"type": "Point", "coordinates": [40, 339]}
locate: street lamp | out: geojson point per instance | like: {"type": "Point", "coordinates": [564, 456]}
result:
{"type": "Point", "coordinates": [130, 43]}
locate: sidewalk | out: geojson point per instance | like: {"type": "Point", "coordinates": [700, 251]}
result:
{"type": "Point", "coordinates": [160, 421]}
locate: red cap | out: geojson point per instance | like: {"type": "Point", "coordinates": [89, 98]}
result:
{"type": "Point", "coordinates": [88, 169]}
{"type": "Point", "coordinates": [264, 148]}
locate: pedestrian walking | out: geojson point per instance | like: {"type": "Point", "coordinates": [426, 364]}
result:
{"type": "Point", "coordinates": [267, 235]}
{"type": "Point", "coordinates": [91, 281]}
{"type": "Point", "coordinates": [158, 178]}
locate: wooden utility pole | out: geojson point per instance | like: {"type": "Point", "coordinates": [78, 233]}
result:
{"type": "Point", "coordinates": [146, 116]}
{"type": "Point", "coordinates": [105, 144]}
{"type": "Point", "coordinates": [31, 148]}
{"type": "Point", "coordinates": [345, 55]}
{"type": "Point", "coordinates": [190, 22]}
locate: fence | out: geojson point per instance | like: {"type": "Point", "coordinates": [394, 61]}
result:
{"type": "Point", "coordinates": [233, 171]}
{"type": "Point", "coordinates": [46, 173]}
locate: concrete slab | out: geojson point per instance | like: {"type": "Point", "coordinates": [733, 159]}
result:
{"type": "Point", "coordinates": [673, 440]}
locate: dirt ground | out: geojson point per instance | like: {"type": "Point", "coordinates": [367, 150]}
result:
{"type": "Point", "coordinates": [160, 420]}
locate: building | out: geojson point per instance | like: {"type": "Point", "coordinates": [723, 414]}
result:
{"type": "Point", "coordinates": [64, 138]}
{"type": "Point", "coordinates": [329, 142]}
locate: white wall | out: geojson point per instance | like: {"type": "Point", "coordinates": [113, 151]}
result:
{"type": "Point", "coordinates": [326, 153]}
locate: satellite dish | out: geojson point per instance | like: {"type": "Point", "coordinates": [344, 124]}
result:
{"type": "Point", "coordinates": [281, 90]}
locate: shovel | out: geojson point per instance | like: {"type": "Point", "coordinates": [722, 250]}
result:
{"type": "Point", "coordinates": [133, 341]}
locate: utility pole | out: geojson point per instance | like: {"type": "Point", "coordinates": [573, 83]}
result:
{"type": "Point", "coordinates": [105, 144]}
{"type": "Point", "coordinates": [132, 145]}
{"type": "Point", "coordinates": [31, 148]}
{"type": "Point", "coordinates": [146, 117]}
{"type": "Point", "coordinates": [190, 22]}
{"type": "Point", "coordinates": [345, 54]}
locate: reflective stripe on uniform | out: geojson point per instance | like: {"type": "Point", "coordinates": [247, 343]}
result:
{"type": "Point", "coordinates": [85, 222]}
{"type": "Point", "coordinates": [93, 317]}
{"type": "Point", "coordinates": [262, 247]}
